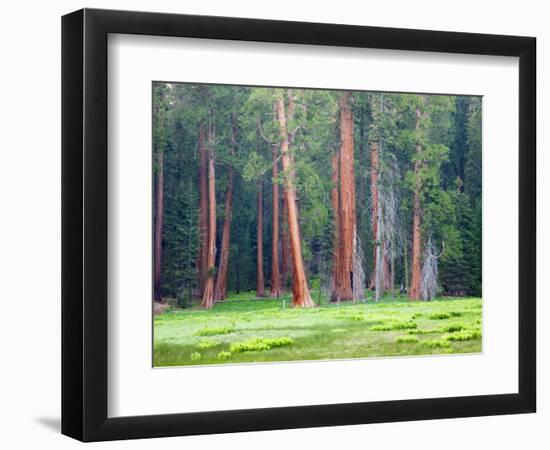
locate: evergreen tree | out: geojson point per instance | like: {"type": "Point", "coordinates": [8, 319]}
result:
{"type": "Point", "coordinates": [472, 171]}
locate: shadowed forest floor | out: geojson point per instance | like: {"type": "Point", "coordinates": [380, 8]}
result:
{"type": "Point", "coordinates": [244, 329]}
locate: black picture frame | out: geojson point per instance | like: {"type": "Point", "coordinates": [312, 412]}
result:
{"type": "Point", "coordinates": [84, 224]}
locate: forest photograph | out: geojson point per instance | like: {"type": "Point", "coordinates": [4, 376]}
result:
{"type": "Point", "coordinates": [300, 224]}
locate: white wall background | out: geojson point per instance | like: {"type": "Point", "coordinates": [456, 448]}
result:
{"type": "Point", "coordinates": [30, 225]}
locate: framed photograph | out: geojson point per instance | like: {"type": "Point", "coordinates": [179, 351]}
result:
{"type": "Point", "coordinates": [273, 224]}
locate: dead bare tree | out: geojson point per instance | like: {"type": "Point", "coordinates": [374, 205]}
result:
{"type": "Point", "coordinates": [379, 271]}
{"type": "Point", "coordinates": [387, 224]}
{"type": "Point", "coordinates": [389, 201]}
{"type": "Point", "coordinates": [384, 176]}
{"type": "Point", "coordinates": [428, 279]}
{"type": "Point", "coordinates": [358, 270]}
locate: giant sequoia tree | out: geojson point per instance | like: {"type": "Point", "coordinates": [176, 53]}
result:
{"type": "Point", "coordinates": [343, 289]}
{"type": "Point", "coordinates": [300, 289]}
{"type": "Point", "coordinates": [414, 292]}
{"type": "Point", "coordinates": [221, 278]}
{"type": "Point", "coordinates": [335, 197]}
{"type": "Point", "coordinates": [335, 184]}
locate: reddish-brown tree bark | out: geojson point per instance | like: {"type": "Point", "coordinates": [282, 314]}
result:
{"type": "Point", "coordinates": [208, 294]}
{"type": "Point", "coordinates": [300, 290]}
{"type": "Point", "coordinates": [275, 272]}
{"type": "Point", "coordinates": [203, 209]}
{"type": "Point", "coordinates": [220, 290]}
{"type": "Point", "coordinates": [335, 197]}
{"type": "Point", "coordinates": [344, 289]}
{"type": "Point", "coordinates": [414, 291]}
{"type": "Point", "coordinates": [260, 285]}
{"type": "Point", "coordinates": [159, 225]}
{"type": "Point", "coordinates": [285, 251]}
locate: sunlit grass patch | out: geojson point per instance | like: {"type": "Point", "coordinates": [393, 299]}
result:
{"type": "Point", "coordinates": [437, 343]}
{"type": "Point", "coordinates": [406, 339]}
{"type": "Point", "coordinates": [224, 355]}
{"type": "Point", "coordinates": [452, 327]}
{"type": "Point", "coordinates": [424, 331]}
{"type": "Point", "coordinates": [356, 317]}
{"type": "Point", "coordinates": [203, 345]}
{"type": "Point", "coordinates": [394, 325]}
{"type": "Point", "coordinates": [196, 356]}
{"type": "Point", "coordinates": [207, 331]}
{"type": "Point", "coordinates": [465, 335]}
{"type": "Point", "coordinates": [439, 316]}
{"type": "Point", "coordinates": [259, 344]}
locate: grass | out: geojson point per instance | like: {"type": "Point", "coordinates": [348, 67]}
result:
{"type": "Point", "coordinates": [439, 316]}
{"type": "Point", "coordinates": [224, 355]}
{"type": "Point", "coordinates": [206, 331]}
{"type": "Point", "coordinates": [389, 325]}
{"type": "Point", "coordinates": [406, 339]}
{"type": "Point", "coordinates": [452, 327]}
{"type": "Point", "coordinates": [244, 329]}
{"type": "Point", "coordinates": [203, 345]}
{"type": "Point", "coordinates": [437, 343]}
{"type": "Point", "coordinates": [465, 335]}
{"type": "Point", "coordinates": [259, 344]}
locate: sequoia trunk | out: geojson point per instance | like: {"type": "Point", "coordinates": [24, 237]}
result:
{"type": "Point", "coordinates": [344, 288]}
{"type": "Point", "coordinates": [220, 290]}
{"type": "Point", "coordinates": [285, 263]}
{"type": "Point", "coordinates": [300, 290]}
{"type": "Point", "coordinates": [221, 278]}
{"type": "Point", "coordinates": [336, 214]}
{"type": "Point", "coordinates": [414, 291]}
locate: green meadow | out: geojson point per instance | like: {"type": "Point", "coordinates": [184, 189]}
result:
{"type": "Point", "coordinates": [245, 329]}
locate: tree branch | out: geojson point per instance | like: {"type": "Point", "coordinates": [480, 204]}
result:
{"type": "Point", "coordinates": [262, 133]}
